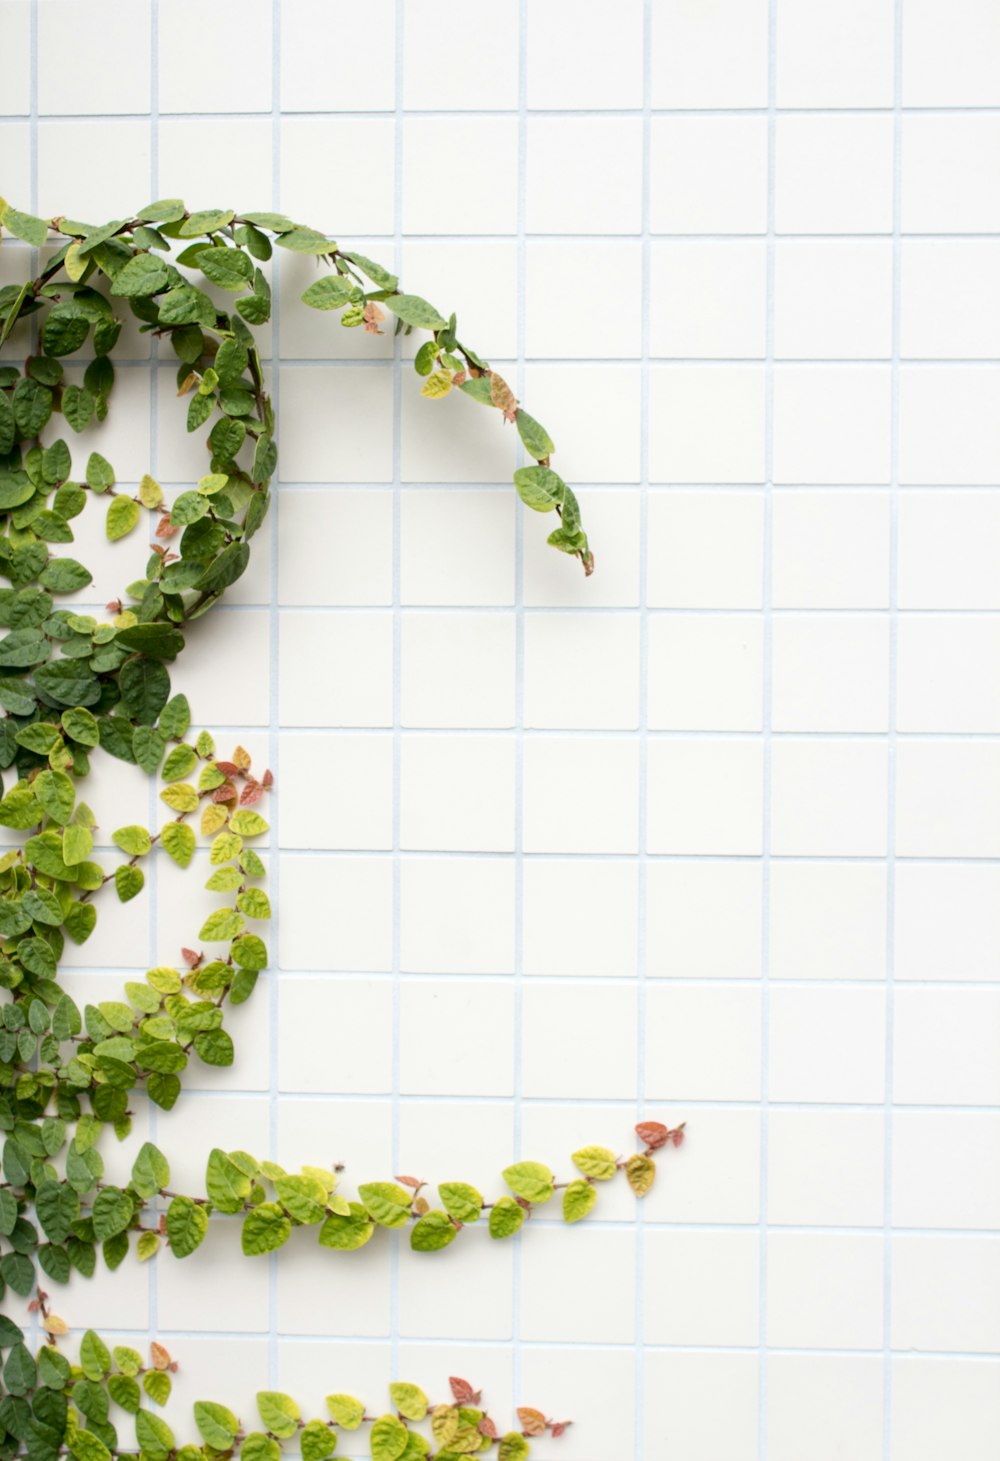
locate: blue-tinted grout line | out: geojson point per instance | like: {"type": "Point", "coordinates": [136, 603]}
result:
{"type": "Point", "coordinates": [397, 663]}
{"type": "Point", "coordinates": [154, 408]}
{"type": "Point", "coordinates": [519, 515]}
{"type": "Point", "coordinates": [642, 869]}
{"type": "Point", "coordinates": [890, 932]}
{"type": "Point", "coordinates": [767, 596]}
{"type": "Point", "coordinates": [274, 741]}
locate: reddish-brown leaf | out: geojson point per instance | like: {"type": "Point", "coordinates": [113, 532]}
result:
{"type": "Point", "coordinates": [267, 779]}
{"type": "Point", "coordinates": [653, 1134]}
{"type": "Point", "coordinates": [191, 958]}
{"type": "Point", "coordinates": [413, 1182]}
{"type": "Point", "coordinates": [463, 1392]}
{"type": "Point", "coordinates": [224, 793]}
{"type": "Point", "coordinates": [251, 793]}
{"type": "Point", "coordinates": [560, 1427]}
{"type": "Point", "coordinates": [228, 768]}
{"type": "Point", "coordinates": [487, 1428]}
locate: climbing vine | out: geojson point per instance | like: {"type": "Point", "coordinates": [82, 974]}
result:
{"type": "Point", "coordinates": [72, 685]}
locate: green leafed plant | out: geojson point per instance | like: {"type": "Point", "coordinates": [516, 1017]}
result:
{"type": "Point", "coordinates": [74, 685]}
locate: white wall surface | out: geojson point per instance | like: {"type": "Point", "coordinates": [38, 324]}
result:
{"type": "Point", "coordinates": [711, 836]}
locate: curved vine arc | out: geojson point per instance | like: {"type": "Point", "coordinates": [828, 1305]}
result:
{"type": "Point", "coordinates": [109, 687]}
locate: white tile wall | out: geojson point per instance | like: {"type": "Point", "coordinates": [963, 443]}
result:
{"type": "Point", "coordinates": [711, 836]}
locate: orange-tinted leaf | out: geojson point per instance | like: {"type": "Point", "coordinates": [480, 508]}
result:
{"type": "Point", "coordinates": [532, 1421]}
{"type": "Point", "coordinates": [502, 396]}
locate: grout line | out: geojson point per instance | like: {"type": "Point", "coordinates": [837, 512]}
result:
{"type": "Point", "coordinates": [32, 1325]}
{"type": "Point", "coordinates": [642, 829]}
{"type": "Point", "coordinates": [890, 949]}
{"type": "Point", "coordinates": [274, 740]}
{"type": "Point", "coordinates": [767, 594]}
{"type": "Point", "coordinates": [511, 114]}
{"type": "Point", "coordinates": [517, 1376]}
{"type": "Point", "coordinates": [154, 408]}
{"type": "Point", "coordinates": [397, 740]}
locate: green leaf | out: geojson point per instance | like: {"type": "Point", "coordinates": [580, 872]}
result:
{"type": "Point", "coordinates": [387, 1203]}
{"type": "Point", "coordinates": [179, 842]}
{"type": "Point", "coordinates": [306, 241]}
{"type": "Point", "coordinates": [222, 925]}
{"type": "Point", "coordinates": [227, 1187]}
{"type": "Point", "coordinates": [187, 1224]}
{"type": "Point", "coordinates": [155, 641]}
{"type": "Point", "coordinates": [463, 1202]}
{"type": "Point", "coordinates": [81, 726]}
{"type": "Point", "coordinates": [176, 718]}
{"type": "Point", "coordinates": [347, 1232]}
{"type": "Point", "coordinates": [56, 794]}
{"type": "Point", "coordinates": [433, 1231]}
{"type": "Point", "coordinates": [537, 441]}
{"type": "Point", "coordinates": [157, 1386]}
{"type": "Point", "coordinates": [578, 1200]}
{"type": "Point", "coordinates": [32, 406]}
{"type": "Point", "coordinates": [123, 516]}
{"type": "Point", "coordinates": [155, 1437]}
{"type": "Point", "coordinates": [539, 488]}
{"type": "Point", "coordinates": [265, 1229]}
{"type": "Point", "coordinates": [596, 1161]}
{"type": "Point", "coordinates": [43, 907]}
{"type": "Point", "coordinates": [148, 745]}
{"type": "Point", "coordinates": [316, 1442]}
{"type": "Point", "coordinates": [100, 472]}
{"type": "Point", "coordinates": [150, 1170]}
{"type": "Point", "coordinates": [95, 1357]}
{"type": "Point", "coordinates": [513, 1447]}
{"type": "Point", "coordinates": [531, 1180]}
{"type": "Point", "coordinates": [209, 220]}
{"type": "Point", "coordinates": [229, 268]}
{"type": "Point", "coordinates": [278, 1413]}
{"type": "Point", "coordinates": [413, 310]}
{"type": "Point", "coordinates": [143, 274]}
{"type": "Point", "coordinates": [112, 1213]}
{"type": "Point", "coordinates": [389, 1439]}
{"type": "Point", "coordinates": [134, 840]}
{"type": "Point", "coordinates": [218, 1426]}
{"type": "Point", "coordinates": [345, 1410]}
{"type": "Point", "coordinates": [145, 689]}
{"type": "Point", "coordinates": [331, 292]}
{"type": "Point", "coordinates": [409, 1400]}
{"type": "Point", "coordinates": [24, 226]}
{"type": "Point", "coordinates": [303, 1198]}
{"type": "Point", "coordinates": [258, 1447]}
{"type": "Point", "coordinates": [506, 1216]}
{"type": "Point", "coordinates": [246, 823]}
{"type": "Point", "coordinates": [254, 903]}
{"type": "Point", "coordinates": [77, 406]}
{"type": "Point", "coordinates": [85, 1446]}
{"type": "Point", "coordinates": [20, 1372]}
{"type": "Point", "coordinates": [375, 272]}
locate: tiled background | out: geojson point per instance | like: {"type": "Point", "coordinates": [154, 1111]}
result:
{"type": "Point", "coordinates": [711, 836]}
